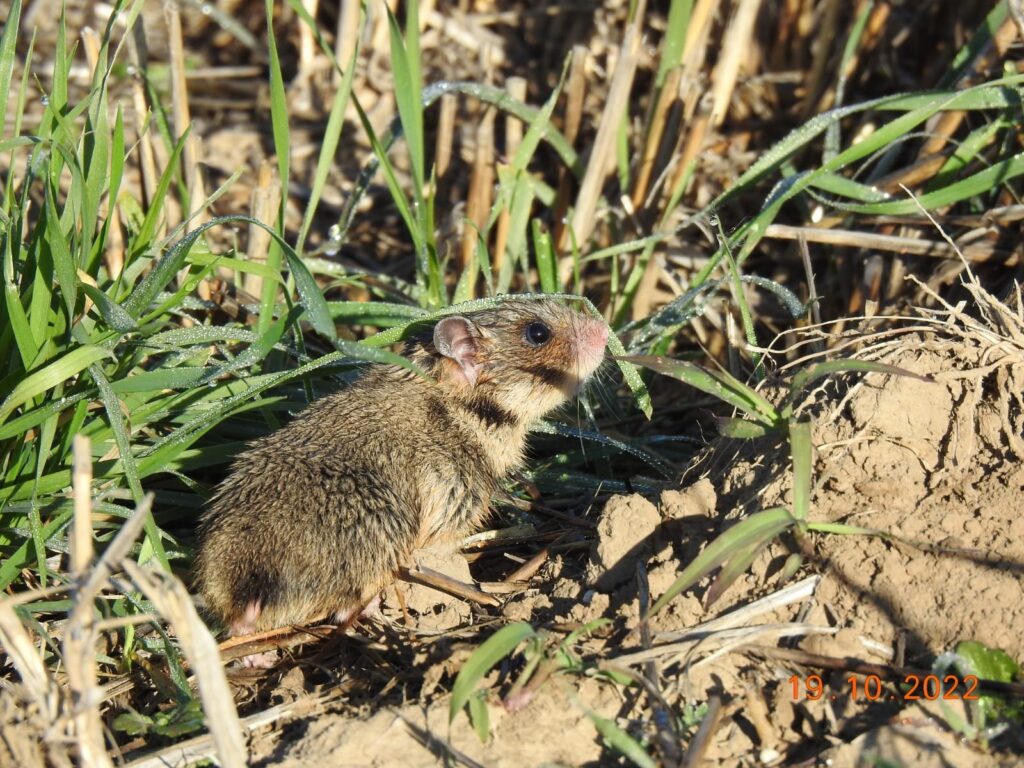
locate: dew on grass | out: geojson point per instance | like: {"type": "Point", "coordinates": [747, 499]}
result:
{"type": "Point", "coordinates": [333, 244]}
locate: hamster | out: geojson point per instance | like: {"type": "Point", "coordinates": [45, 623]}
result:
{"type": "Point", "coordinates": [315, 519]}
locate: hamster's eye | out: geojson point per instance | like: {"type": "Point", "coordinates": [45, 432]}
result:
{"type": "Point", "coordinates": [537, 334]}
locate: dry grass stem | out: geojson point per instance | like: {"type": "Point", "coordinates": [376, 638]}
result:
{"type": "Point", "coordinates": [191, 153]}
{"type": "Point", "coordinates": [171, 599]}
{"type": "Point", "coordinates": [445, 135]}
{"type": "Point", "coordinates": [81, 486]}
{"type": "Point", "coordinates": [602, 154]}
{"type": "Point", "coordinates": [307, 43]}
{"type": "Point", "coordinates": [735, 48]}
{"type": "Point", "coordinates": [668, 95]}
{"type": "Point", "coordinates": [349, 12]}
{"type": "Point", "coordinates": [263, 206]}
{"type": "Point", "coordinates": [272, 639]}
{"type": "Point", "coordinates": [91, 45]}
{"type": "Point", "coordinates": [464, 32]}
{"type": "Point", "coordinates": [23, 655]}
{"type": "Point", "coordinates": [748, 614]}
{"type": "Point", "coordinates": [982, 252]}
{"type": "Point", "coordinates": [825, 27]}
{"type": "Point", "coordinates": [575, 92]}
{"type": "Point", "coordinates": [481, 188]}
{"type": "Point", "coordinates": [138, 55]}
{"type": "Point", "coordinates": [516, 87]}
{"type": "Point", "coordinates": [79, 646]}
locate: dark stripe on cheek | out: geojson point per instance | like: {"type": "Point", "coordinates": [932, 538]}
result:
{"type": "Point", "coordinates": [492, 414]}
{"type": "Point", "coordinates": [439, 414]}
{"type": "Point", "coordinates": [553, 377]}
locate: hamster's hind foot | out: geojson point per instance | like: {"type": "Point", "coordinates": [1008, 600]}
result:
{"type": "Point", "coordinates": [246, 623]}
{"type": "Point", "coordinates": [346, 617]}
{"type": "Point", "coordinates": [264, 660]}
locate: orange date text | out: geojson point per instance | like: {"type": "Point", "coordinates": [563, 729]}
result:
{"type": "Point", "coordinates": [927, 687]}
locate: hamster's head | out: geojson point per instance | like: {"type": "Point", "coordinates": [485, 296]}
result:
{"type": "Point", "coordinates": [525, 357]}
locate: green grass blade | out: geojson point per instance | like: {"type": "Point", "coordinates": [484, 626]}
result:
{"type": "Point", "coordinates": [987, 181]}
{"type": "Point", "coordinates": [739, 298]}
{"type": "Point", "coordinates": [395, 188]}
{"type": "Point", "coordinates": [43, 446]}
{"type": "Point", "coordinates": [184, 378]}
{"type": "Point", "coordinates": [759, 527]}
{"type": "Point", "coordinates": [33, 418]}
{"type": "Point", "coordinates": [95, 153]}
{"type": "Point", "coordinates": [715, 383]}
{"type": "Point", "coordinates": [847, 530]}
{"type": "Point", "coordinates": [735, 567]}
{"type": "Point", "coordinates": [519, 206]}
{"type": "Point", "coordinates": [117, 161]}
{"type": "Point", "coordinates": [981, 38]}
{"type": "Point", "coordinates": [630, 374]}
{"type": "Point", "coordinates": [59, 92]}
{"type": "Point", "coordinates": [17, 318]}
{"type": "Point", "coordinates": [620, 741]}
{"type": "Point", "coordinates": [46, 378]}
{"type": "Point", "coordinates": [167, 269]}
{"type": "Point", "coordinates": [618, 446]}
{"type": "Point", "coordinates": [674, 44]}
{"type": "Point", "coordinates": [312, 298]}
{"type": "Point", "coordinates": [848, 188]}
{"type": "Point", "coordinates": [547, 260]}
{"type": "Point", "coordinates": [12, 563]}
{"type": "Point", "coordinates": [328, 148]}
{"type": "Point", "coordinates": [200, 335]}
{"type": "Point", "coordinates": [853, 39]}
{"type": "Point", "coordinates": [112, 406]}
{"type": "Point", "coordinates": [500, 99]}
{"type": "Point", "coordinates": [113, 314]}
{"type": "Point", "coordinates": [491, 651]}
{"type": "Point", "coordinates": [968, 150]}
{"type": "Point", "coordinates": [8, 40]}
{"type": "Point", "coordinates": [278, 103]}
{"type": "Point", "coordinates": [479, 716]}
{"type": "Point", "coordinates": [63, 262]}
{"type": "Point", "coordinates": [405, 66]}
{"type": "Point", "coordinates": [144, 237]}
{"type": "Point", "coordinates": [807, 376]}
{"type": "Point", "coordinates": [19, 107]}
{"type": "Point", "coordinates": [741, 429]}
{"type": "Point", "coordinates": [257, 351]}
{"type": "Point", "coordinates": [802, 451]}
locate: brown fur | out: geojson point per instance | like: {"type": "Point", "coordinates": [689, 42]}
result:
{"type": "Point", "coordinates": [316, 518]}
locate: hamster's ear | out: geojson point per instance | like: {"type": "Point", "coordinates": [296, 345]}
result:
{"type": "Point", "coordinates": [457, 338]}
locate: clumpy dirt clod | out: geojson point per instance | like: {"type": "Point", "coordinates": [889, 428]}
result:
{"type": "Point", "coordinates": [624, 535]}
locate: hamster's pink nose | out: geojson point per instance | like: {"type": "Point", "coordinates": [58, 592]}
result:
{"type": "Point", "coordinates": [592, 338]}
{"type": "Point", "coordinates": [595, 334]}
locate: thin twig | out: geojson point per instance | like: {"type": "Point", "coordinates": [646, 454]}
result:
{"type": "Point", "coordinates": [434, 580]}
